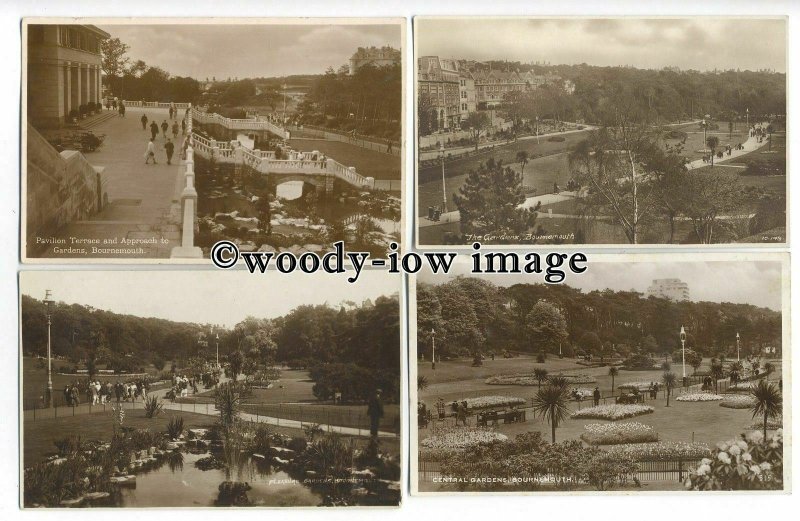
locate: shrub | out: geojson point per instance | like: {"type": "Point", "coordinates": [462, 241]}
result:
{"type": "Point", "coordinates": [639, 362]}
{"type": "Point", "coordinates": [297, 444]}
{"type": "Point", "coordinates": [556, 139]}
{"type": "Point", "coordinates": [175, 427]}
{"type": "Point", "coordinates": [262, 440]}
{"type": "Point", "coordinates": [661, 451]}
{"type": "Point", "coordinates": [152, 407]}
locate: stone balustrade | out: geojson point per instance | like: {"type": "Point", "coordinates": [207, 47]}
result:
{"type": "Point", "coordinates": [209, 118]}
{"type": "Point", "coordinates": [156, 104]}
{"type": "Point", "coordinates": [187, 249]}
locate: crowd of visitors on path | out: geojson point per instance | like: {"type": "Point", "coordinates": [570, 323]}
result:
{"type": "Point", "coordinates": [98, 393]}
{"type": "Point", "coordinates": [166, 128]}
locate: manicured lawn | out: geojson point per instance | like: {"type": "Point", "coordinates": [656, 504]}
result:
{"type": "Point", "coordinates": [367, 162]}
{"type": "Point", "coordinates": [682, 421]}
{"type": "Point", "coordinates": [328, 414]}
{"type": "Point", "coordinates": [693, 148]}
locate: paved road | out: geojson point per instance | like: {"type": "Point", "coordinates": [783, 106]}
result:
{"type": "Point", "coordinates": [143, 199]}
{"type": "Point", "coordinates": [750, 145]}
{"type": "Point", "coordinates": [530, 202]}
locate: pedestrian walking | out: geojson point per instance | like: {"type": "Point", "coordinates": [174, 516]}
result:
{"type": "Point", "coordinates": [169, 146]}
{"type": "Point", "coordinates": [150, 153]}
{"type": "Point", "coordinates": [596, 396]}
{"type": "Point", "coordinates": [183, 126]}
{"type": "Point", "coordinates": [144, 121]}
{"type": "Point", "coordinates": [121, 109]}
{"type": "Point", "coordinates": [164, 128]}
{"type": "Point", "coordinates": [375, 413]}
{"type": "Point", "coordinates": [175, 130]}
{"type": "Point", "coordinates": [153, 130]}
{"type": "Point", "coordinates": [170, 112]}
{"type": "Point", "coordinates": [173, 112]}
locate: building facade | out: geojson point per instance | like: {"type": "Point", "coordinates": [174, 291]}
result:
{"type": "Point", "coordinates": [671, 289]}
{"type": "Point", "coordinates": [438, 81]}
{"type": "Point", "coordinates": [492, 86]}
{"type": "Point", "coordinates": [467, 95]}
{"type": "Point", "coordinates": [377, 57]}
{"type": "Point", "coordinates": [64, 71]}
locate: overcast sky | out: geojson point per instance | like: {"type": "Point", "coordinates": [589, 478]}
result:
{"type": "Point", "coordinates": [744, 282]}
{"type": "Point", "coordinates": [690, 43]}
{"type": "Point", "coordinates": [247, 51]}
{"type": "Point", "coordinates": [215, 297]}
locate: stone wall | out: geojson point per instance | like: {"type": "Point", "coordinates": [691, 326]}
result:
{"type": "Point", "coordinates": [61, 188]}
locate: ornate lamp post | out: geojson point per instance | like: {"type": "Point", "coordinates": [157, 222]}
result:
{"type": "Point", "coordinates": [284, 103]}
{"type": "Point", "coordinates": [738, 359]}
{"type": "Point", "coordinates": [704, 125]}
{"type": "Point", "coordinates": [433, 349]}
{"type": "Point", "coordinates": [683, 351]}
{"type": "Point", "coordinates": [747, 112]}
{"type": "Point", "coordinates": [537, 130]}
{"type": "Point", "coordinates": [48, 302]}
{"type": "Point", "coordinates": [217, 337]}
{"type": "Point", "coordinates": [444, 189]}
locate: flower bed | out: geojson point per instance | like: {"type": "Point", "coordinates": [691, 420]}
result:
{"type": "Point", "coordinates": [582, 393]}
{"type": "Point", "coordinates": [618, 433]}
{"type": "Point", "coordinates": [742, 386]}
{"type": "Point", "coordinates": [530, 379]}
{"type": "Point", "coordinates": [484, 402]}
{"type": "Point", "coordinates": [699, 397]}
{"type": "Point", "coordinates": [642, 386]}
{"type": "Point", "coordinates": [772, 423]}
{"type": "Point", "coordinates": [461, 438]}
{"type": "Point", "coordinates": [661, 450]}
{"type": "Point", "coordinates": [613, 412]}
{"type": "Point", "coordinates": [737, 401]}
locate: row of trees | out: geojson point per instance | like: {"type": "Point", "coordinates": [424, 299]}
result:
{"type": "Point", "coordinates": [471, 315]}
{"type": "Point", "coordinates": [662, 96]}
{"type": "Point", "coordinates": [363, 337]}
{"type": "Point", "coordinates": [135, 80]}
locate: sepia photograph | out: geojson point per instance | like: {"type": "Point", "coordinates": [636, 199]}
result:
{"type": "Point", "coordinates": [152, 140]}
{"type": "Point", "coordinates": [643, 374]}
{"type": "Point", "coordinates": [209, 389]}
{"type": "Point", "coordinates": [609, 131]}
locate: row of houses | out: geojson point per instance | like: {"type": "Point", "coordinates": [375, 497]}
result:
{"type": "Point", "coordinates": [457, 88]}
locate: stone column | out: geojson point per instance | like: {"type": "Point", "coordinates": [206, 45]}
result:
{"type": "Point", "coordinates": [99, 84]}
{"type": "Point", "coordinates": [67, 90]}
{"type": "Point", "coordinates": [77, 88]}
{"type": "Point", "coordinates": [85, 93]}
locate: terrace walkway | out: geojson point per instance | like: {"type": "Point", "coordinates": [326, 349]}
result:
{"type": "Point", "coordinates": [143, 200]}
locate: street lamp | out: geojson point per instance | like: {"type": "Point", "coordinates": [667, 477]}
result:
{"type": "Point", "coordinates": [284, 103]}
{"type": "Point", "coordinates": [537, 130]}
{"type": "Point", "coordinates": [747, 112]}
{"type": "Point", "coordinates": [48, 302]}
{"type": "Point", "coordinates": [704, 125]}
{"type": "Point", "coordinates": [444, 189]}
{"type": "Point", "coordinates": [433, 349]}
{"type": "Point", "coordinates": [217, 335]}
{"type": "Point", "coordinates": [738, 359]}
{"type": "Point", "coordinates": [683, 351]}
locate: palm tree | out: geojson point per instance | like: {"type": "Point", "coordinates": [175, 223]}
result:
{"type": "Point", "coordinates": [669, 380]}
{"type": "Point", "coordinates": [769, 367]}
{"type": "Point", "coordinates": [550, 403]}
{"type": "Point", "coordinates": [717, 373]}
{"type": "Point", "coordinates": [612, 372]}
{"type": "Point", "coordinates": [422, 383]}
{"type": "Point", "coordinates": [540, 374]}
{"type": "Point", "coordinates": [769, 402]}
{"type": "Point", "coordinates": [522, 157]}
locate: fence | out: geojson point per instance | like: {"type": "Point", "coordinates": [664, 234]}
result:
{"type": "Point", "coordinates": [647, 471]}
{"type": "Point", "coordinates": [334, 415]}
{"type": "Point", "coordinates": [370, 143]}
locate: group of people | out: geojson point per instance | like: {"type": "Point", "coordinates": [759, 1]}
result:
{"type": "Point", "coordinates": [98, 393]}
{"type": "Point", "coordinates": [117, 105]}
{"type": "Point", "coordinates": [169, 145]}
{"type": "Point", "coordinates": [181, 385]}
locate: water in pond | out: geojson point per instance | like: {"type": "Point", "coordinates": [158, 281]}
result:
{"type": "Point", "coordinates": [191, 487]}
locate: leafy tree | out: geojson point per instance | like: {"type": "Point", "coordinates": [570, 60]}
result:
{"type": "Point", "coordinates": [478, 124]}
{"type": "Point", "coordinates": [522, 158]}
{"type": "Point", "coordinates": [712, 142]}
{"type": "Point", "coordinates": [113, 59]}
{"type": "Point", "coordinates": [708, 197]}
{"type": "Point", "coordinates": [591, 343]}
{"type": "Point", "coordinates": [489, 200]}
{"type": "Point", "coordinates": [546, 326]}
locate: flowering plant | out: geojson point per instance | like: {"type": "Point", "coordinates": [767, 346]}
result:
{"type": "Point", "coordinates": [483, 402]}
{"type": "Point", "coordinates": [661, 451]}
{"type": "Point", "coordinates": [749, 463]}
{"type": "Point", "coordinates": [738, 401]}
{"type": "Point", "coordinates": [618, 433]}
{"type": "Point", "coordinates": [699, 397]}
{"type": "Point", "coordinates": [530, 379]}
{"type": "Point", "coordinates": [461, 438]}
{"type": "Point", "coordinates": [613, 412]}
{"type": "Point", "coordinates": [772, 424]}
{"type": "Point", "coordinates": [642, 386]}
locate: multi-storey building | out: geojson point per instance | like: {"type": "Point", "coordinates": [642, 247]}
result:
{"type": "Point", "coordinates": [64, 71]}
{"type": "Point", "coordinates": [671, 289]}
{"type": "Point", "coordinates": [377, 57]}
{"type": "Point", "coordinates": [467, 95]}
{"type": "Point", "coordinates": [438, 82]}
{"type": "Point", "coordinates": [493, 85]}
